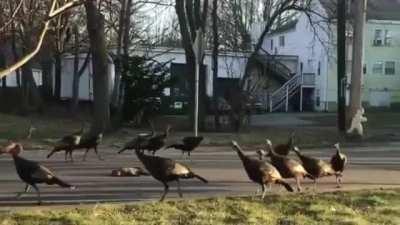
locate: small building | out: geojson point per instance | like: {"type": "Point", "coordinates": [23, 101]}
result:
{"type": "Point", "coordinates": [86, 79]}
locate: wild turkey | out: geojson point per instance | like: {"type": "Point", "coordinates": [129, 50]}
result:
{"type": "Point", "coordinates": [188, 144]}
{"type": "Point", "coordinates": [315, 167]}
{"type": "Point", "coordinates": [88, 142]}
{"type": "Point", "coordinates": [338, 163]}
{"type": "Point", "coordinates": [284, 149]}
{"type": "Point", "coordinates": [32, 173]}
{"type": "Point", "coordinates": [67, 144]}
{"type": "Point", "coordinates": [155, 143]}
{"type": "Point", "coordinates": [166, 170]}
{"type": "Point", "coordinates": [288, 168]}
{"type": "Point", "coordinates": [140, 141]}
{"type": "Point", "coordinates": [259, 171]}
{"type": "Point", "coordinates": [129, 172]}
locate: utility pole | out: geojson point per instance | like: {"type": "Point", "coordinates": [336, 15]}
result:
{"type": "Point", "coordinates": [341, 64]}
{"type": "Point", "coordinates": [198, 50]}
{"type": "Point", "coordinates": [357, 61]}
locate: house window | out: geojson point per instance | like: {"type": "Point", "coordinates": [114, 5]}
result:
{"type": "Point", "coordinates": [378, 40]}
{"type": "Point", "coordinates": [364, 69]}
{"type": "Point", "coordinates": [388, 38]}
{"type": "Point", "coordinates": [377, 68]}
{"type": "Point", "coordinates": [390, 68]}
{"type": "Point", "coordinates": [281, 41]}
{"type": "Point", "coordinates": [272, 44]}
{"type": "Point", "coordinates": [319, 68]}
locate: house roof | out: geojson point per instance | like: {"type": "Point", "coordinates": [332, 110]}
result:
{"type": "Point", "coordinates": [376, 9]}
{"type": "Point", "coordinates": [291, 24]}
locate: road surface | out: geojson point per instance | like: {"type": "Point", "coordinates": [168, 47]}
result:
{"type": "Point", "coordinates": [370, 167]}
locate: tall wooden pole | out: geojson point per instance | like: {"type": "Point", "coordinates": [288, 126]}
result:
{"type": "Point", "coordinates": [357, 61]}
{"type": "Point", "coordinates": [341, 64]}
{"type": "Point", "coordinates": [198, 49]}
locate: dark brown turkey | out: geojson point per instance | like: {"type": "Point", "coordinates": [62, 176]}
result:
{"type": "Point", "coordinates": [31, 172]}
{"type": "Point", "coordinates": [260, 172]}
{"type": "Point", "coordinates": [289, 168]}
{"type": "Point", "coordinates": [166, 170]}
{"type": "Point", "coordinates": [315, 167]}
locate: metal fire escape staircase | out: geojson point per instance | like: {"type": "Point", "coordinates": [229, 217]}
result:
{"type": "Point", "coordinates": [293, 82]}
{"type": "Point", "coordinates": [281, 97]}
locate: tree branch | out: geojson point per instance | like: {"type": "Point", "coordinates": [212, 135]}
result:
{"type": "Point", "coordinates": [12, 16]}
{"type": "Point", "coordinates": [52, 13]}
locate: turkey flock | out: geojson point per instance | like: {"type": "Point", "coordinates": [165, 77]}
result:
{"type": "Point", "coordinates": [268, 166]}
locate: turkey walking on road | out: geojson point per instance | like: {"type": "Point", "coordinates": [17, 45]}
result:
{"type": "Point", "coordinates": [284, 149]}
{"type": "Point", "coordinates": [188, 144]}
{"type": "Point", "coordinates": [315, 167]}
{"type": "Point", "coordinates": [166, 170]}
{"type": "Point", "coordinates": [88, 142]}
{"type": "Point", "coordinates": [67, 144]}
{"type": "Point", "coordinates": [138, 142]}
{"type": "Point", "coordinates": [31, 172]}
{"type": "Point", "coordinates": [259, 171]}
{"type": "Point", "coordinates": [338, 163]}
{"type": "Point", "coordinates": [155, 143]}
{"type": "Point", "coordinates": [289, 168]}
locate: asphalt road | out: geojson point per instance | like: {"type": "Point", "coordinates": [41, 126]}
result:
{"type": "Point", "coordinates": [370, 167]}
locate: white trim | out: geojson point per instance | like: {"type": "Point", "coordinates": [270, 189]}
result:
{"type": "Point", "coordinates": [393, 22]}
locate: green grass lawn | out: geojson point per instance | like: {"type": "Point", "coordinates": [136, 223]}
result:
{"type": "Point", "coordinates": [377, 207]}
{"type": "Point", "coordinates": [381, 127]}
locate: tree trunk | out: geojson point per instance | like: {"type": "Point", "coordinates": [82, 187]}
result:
{"type": "Point", "coordinates": [57, 75]}
{"type": "Point", "coordinates": [118, 62]}
{"type": "Point", "coordinates": [127, 24]}
{"type": "Point", "coordinates": [357, 67]}
{"type": "Point", "coordinates": [341, 64]}
{"type": "Point", "coordinates": [16, 57]}
{"type": "Point", "coordinates": [215, 63]}
{"type": "Point", "coordinates": [122, 46]}
{"type": "Point", "coordinates": [31, 95]}
{"type": "Point", "coordinates": [47, 66]}
{"type": "Point", "coordinates": [32, 100]}
{"type": "Point", "coordinates": [2, 65]}
{"type": "Point", "coordinates": [76, 78]}
{"type": "Point", "coordinates": [4, 82]}
{"type": "Point", "coordinates": [101, 79]}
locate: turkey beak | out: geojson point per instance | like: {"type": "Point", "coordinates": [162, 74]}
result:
{"type": "Point", "coordinates": [8, 148]}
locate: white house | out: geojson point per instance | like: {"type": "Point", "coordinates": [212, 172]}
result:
{"type": "Point", "coordinates": [231, 65]}
{"type": "Point", "coordinates": [11, 79]}
{"type": "Point", "coordinates": [86, 80]}
{"type": "Point", "coordinates": [315, 47]}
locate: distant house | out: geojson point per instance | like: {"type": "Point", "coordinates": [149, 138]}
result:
{"type": "Point", "coordinates": [86, 79]}
{"type": "Point", "coordinates": [316, 53]}
{"type": "Point", "coordinates": [11, 79]}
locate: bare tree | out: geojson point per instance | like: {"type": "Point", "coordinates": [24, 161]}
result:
{"type": "Point", "coordinates": [215, 62]}
{"type": "Point", "coordinates": [192, 17]}
{"type": "Point", "coordinates": [101, 78]}
{"type": "Point", "coordinates": [78, 71]}
{"type": "Point", "coordinates": [52, 13]}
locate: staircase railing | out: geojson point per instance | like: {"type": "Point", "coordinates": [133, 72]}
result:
{"type": "Point", "coordinates": [284, 93]}
{"type": "Point", "coordinates": [274, 64]}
